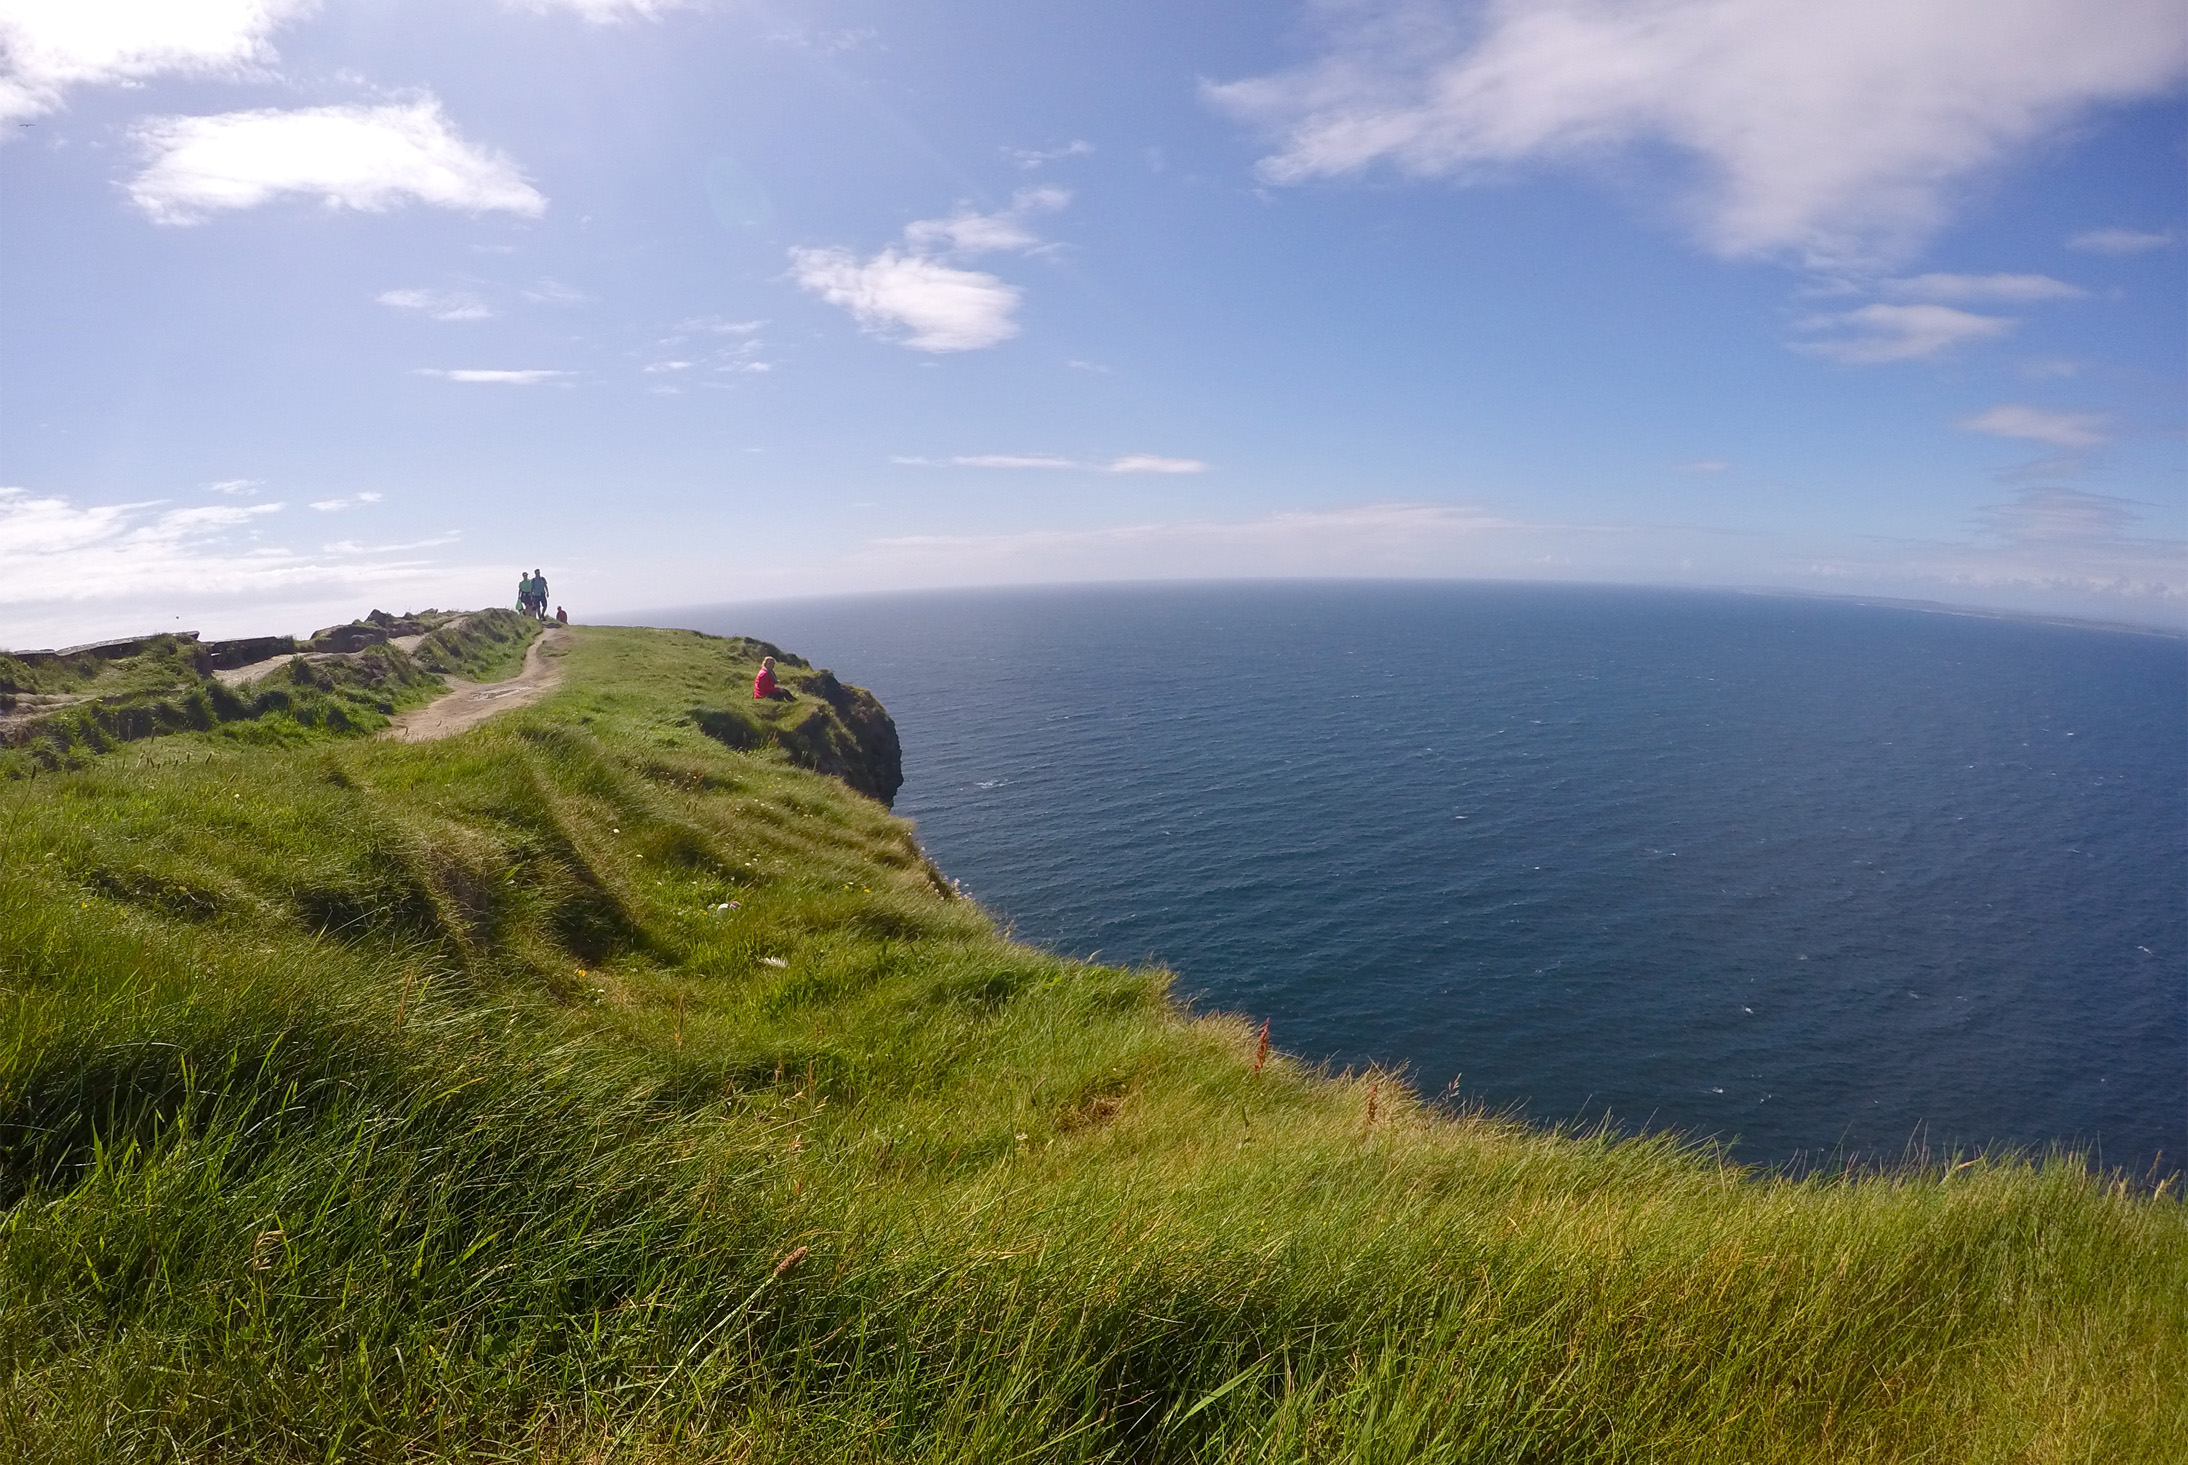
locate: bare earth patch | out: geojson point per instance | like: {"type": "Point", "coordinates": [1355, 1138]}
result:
{"type": "Point", "coordinates": [470, 703]}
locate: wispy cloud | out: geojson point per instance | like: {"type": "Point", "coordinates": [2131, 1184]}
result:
{"type": "Point", "coordinates": [354, 547]}
{"type": "Point", "coordinates": [989, 460]}
{"type": "Point", "coordinates": [1372, 538]}
{"type": "Point", "coordinates": [237, 487]}
{"type": "Point", "coordinates": [2062, 548]}
{"type": "Point", "coordinates": [918, 302]}
{"type": "Point", "coordinates": [915, 296]}
{"type": "Point", "coordinates": [490, 377]}
{"type": "Point", "coordinates": [439, 304]}
{"type": "Point", "coordinates": [554, 292]}
{"type": "Point", "coordinates": [1149, 463]}
{"type": "Point", "coordinates": [718, 326]}
{"type": "Point", "coordinates": [606, 12]}
{"type": "Point", "coordinates": [336, 506]}
{"type": "Point", "coordinates": [1704, 466]}
{"type": "Point", "coordinates": [70, 571]}
{"type": "Point", "coordinates": [48, 48]}
{"type": "Point", "coordinates": [967, 232]}
{"type": "Point", "coordinates": [1834, 133]}
{"type": "Point", "coordinates": [366, 158]}
{"type": "Point", "coordinates": [2011, 289]}
{"type": "Point", "coordinates": [1130, 463]}
{"type": "Point", "coordinates": [1030, 158]}
{"type": "Point", "coordinates": [2038, 424]}
{"type": "Point", "coordinates": [2122, 241]}
{"type": "Point", "coordinates": [1876, 334]}
{"type": "Point", "coordinates": [723, 347]}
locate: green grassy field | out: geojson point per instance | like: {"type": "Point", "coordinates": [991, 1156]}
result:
{"type": "Point", "coordinates": [167, 689]}
{"type": "Point", "coordinates": [581, 1088]}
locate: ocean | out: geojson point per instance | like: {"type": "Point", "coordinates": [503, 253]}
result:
{"type": "Point", "coordinates": [1820, 880]}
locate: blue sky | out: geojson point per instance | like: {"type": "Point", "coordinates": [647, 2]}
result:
{"type": "Point", "coordinates": [309, 307]}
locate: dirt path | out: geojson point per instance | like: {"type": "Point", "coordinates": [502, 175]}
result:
{"type": "Point", "coordinates": [470, 703]}
{"type": "Point", "coordinates": [243, 676]}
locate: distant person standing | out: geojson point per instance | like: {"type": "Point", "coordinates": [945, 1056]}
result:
{"type": "Point", "coordinates": [539, 595]}
{"type": "Point", "coordinates": [524, 592]}
{"type": "Point", "coordinates": [764, 686]}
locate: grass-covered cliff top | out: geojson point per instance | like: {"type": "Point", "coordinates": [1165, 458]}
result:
{"type": "Point", "coordinates": [582, 1088]}
{"type": "Point", "coordinates": [60, 708]}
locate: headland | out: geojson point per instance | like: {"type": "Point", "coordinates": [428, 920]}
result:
{"type": "Point", "coordinates": [614, 1078]}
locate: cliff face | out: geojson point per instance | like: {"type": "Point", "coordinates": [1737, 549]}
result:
{"type": "Point", "coordinates": [853, 739]}
{"type": "Point", "coordinates": [830, 726]}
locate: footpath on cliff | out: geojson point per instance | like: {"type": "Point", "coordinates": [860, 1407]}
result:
{"type": "Point", "coordinates": [467, 704]}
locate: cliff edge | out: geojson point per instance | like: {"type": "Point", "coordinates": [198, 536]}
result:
{"type": "Point", "coordinates": [828, 725]}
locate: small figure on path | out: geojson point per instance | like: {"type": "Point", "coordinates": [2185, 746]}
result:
{"type": "Point", "coordinates": [539, 595]}
{"type": "Point", "coordinates": [764, 686]}
{"type": "Point", "coordinates": [524, 592]}
{"type": "Point", "coordinates": [562, 617]}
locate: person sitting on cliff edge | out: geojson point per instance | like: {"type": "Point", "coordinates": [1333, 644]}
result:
{"type": "Point", "coordinates": [764, 686]}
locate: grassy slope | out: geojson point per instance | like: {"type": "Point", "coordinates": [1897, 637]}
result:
{"type": "Point", "coordinates": [581, 1088]}
{"type": "Point", "coordinates": [165, 691]}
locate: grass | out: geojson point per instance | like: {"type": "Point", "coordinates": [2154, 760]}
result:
{"type": "Point", "coordinates": [166, 690]}
{"type": "Point", "coordinates": [584, 1089]}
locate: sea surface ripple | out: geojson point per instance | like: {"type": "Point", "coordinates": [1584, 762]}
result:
{"type": "Point", "coordinates": [1817, 878]}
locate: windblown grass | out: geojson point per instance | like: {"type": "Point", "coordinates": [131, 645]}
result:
{"type": "Point", "coordinates": [164, 691]}
{"type": "Point", "coordinates": [580, 1089]}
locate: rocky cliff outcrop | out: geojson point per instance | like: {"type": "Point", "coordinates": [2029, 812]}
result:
{"type": "Point", "coordinates": [828, 726]}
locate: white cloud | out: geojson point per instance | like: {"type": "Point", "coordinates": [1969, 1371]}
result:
{"type": "Point", "coordinates": [2053, 515]}
{"type": "Point", "coordinates": [236, 487]}
{"type": "Point", "coordinates": [52, 550]}
{"type": "Point", "coordinates": [657, 367]}
{"type": "Point", "coordinates": [911, 296]}
{"type": "Point", "coordinates": [994, 460]}
{"type": "Point", "coordinates": [554, 292]}
{"type": "Point", "coordinates": [69, 573]}
{"type": "Point", "coordinates": [718, 326]}
{"type": "Point", "coordinates": [529, 377]}
{"type": "Point", "coordinates": [606, 12]}
{"type": "Point", "coordinates": [351, 546]}
{"type": "Point", "coordinates": [1035, 157]}
{"type": "Point", "coordinates": [367, 158]}
{"type": "Point", "coordinates": [1399, 538]}
{"type": "Point", "coordinates": [2037, 424]}
{"type": "Point", "coordinates": [1839, 132]}
{"type": "Point", "coordinates": [49, 46]}
{"type": "Point", "coordinates": [919, 302]}
{"type": "Point", "coordinates": [1875, 334]}
{"type": "Point", "coordinates": [2121, 241]}
{"type": "Point", "coordinates": [968, 233]}
{"type": "Point", "coordinates": [2016, 289]}
{"type": "Point", "coordinates": [1131, 463]}
{"type": "Point", "coordinates": [1148, 463]}
{"type": "Point", "coordinates": [2048, 549]}
{"type": "Point", "coordinates": [336, 506]}
{"type": "Point", "coordinates": [439, 304]}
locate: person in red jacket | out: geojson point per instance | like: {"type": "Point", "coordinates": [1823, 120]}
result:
{"type": "Point", "coordinates": [764, 688]}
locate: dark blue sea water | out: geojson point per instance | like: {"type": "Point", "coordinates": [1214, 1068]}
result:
{"type": "Point", "coordinates": [1814, 877]}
